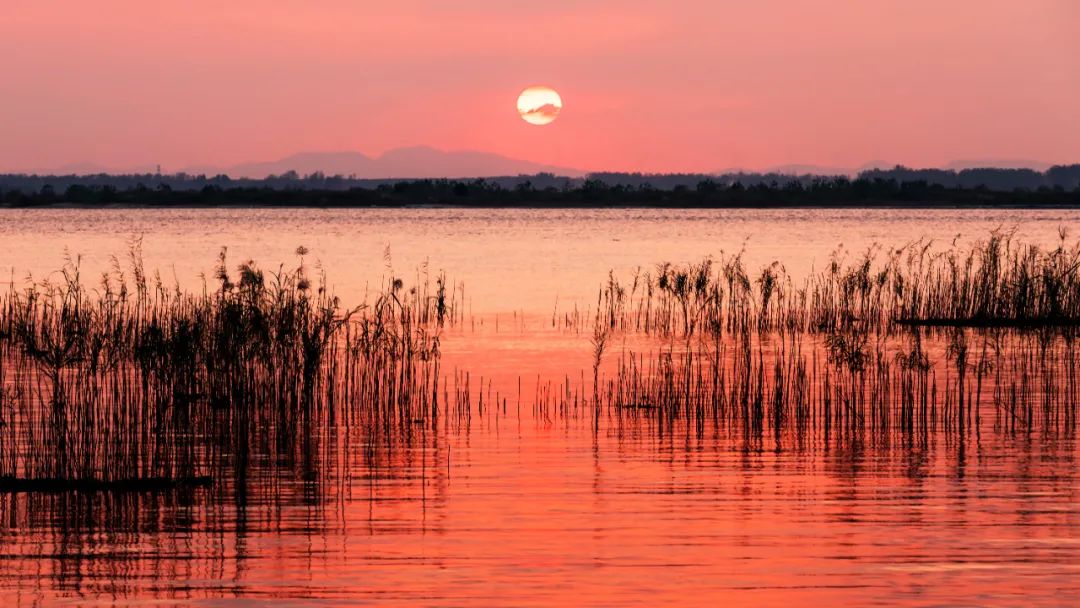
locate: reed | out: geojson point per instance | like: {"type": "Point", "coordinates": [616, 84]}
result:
{"type": "Point", "coordinates": [996, 282]}
{"type": "Point", "coordinates": [136, 384]}
{"type": "Point", "coordinates": [896, 344]}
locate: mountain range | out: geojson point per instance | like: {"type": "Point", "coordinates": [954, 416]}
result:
{"type": "Point", "coordinates": [429, 162]}
{"type": "Point", "coordinates": [413, 162]}
{"type": "Point", "coordinates": [957, 165]}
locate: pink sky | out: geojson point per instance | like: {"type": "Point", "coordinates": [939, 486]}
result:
{"type": "Point", "coordinates": [691, 85]}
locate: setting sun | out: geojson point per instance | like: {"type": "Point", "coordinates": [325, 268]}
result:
{"type": "Point", "coordinates": [539, 105]}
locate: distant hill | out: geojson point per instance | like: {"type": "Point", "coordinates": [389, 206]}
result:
{"type": "Point", "coordinates": [90, 169]}
{"type": "Point", "coordinates": [426, 162]}
{"type": "Point", "coordinates": [993, 178]}
{"type": "Point", "coordinates": [809, 169]}
{"type": "Point", "coordinates": [802, 169]}
{"type": "Point", "coordinates": [401, 163]}
{"type": "Point", "coordinates": [956, 165]}
{"type": "Point", "coordinates": [998, 163]}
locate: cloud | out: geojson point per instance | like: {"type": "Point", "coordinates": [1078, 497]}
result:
{"type": "Point", "coordinates": [548, 110]}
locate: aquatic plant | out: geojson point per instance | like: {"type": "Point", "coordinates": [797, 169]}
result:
{"type": "Point", "coordinates": [136, 384]}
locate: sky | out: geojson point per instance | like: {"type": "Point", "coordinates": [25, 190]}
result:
{"type": "Point", "coordinates": [665, 85]}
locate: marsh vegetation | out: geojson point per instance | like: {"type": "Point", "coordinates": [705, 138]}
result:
{"type": "Point", "coordinates": [884, 343]}
{"type": "Point", "coordinates": [133, 384]}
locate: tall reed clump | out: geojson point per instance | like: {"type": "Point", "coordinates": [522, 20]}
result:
{"type": "Point", "coordinates": [135, 381]}
{"type": "Point", "coordinates": [903, 341]}
{"type": "Point", "coordinates": [998, 281]}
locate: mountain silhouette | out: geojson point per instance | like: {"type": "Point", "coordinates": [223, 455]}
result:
{"type": "Point", "coordinates": [998, 163]}
{"type": "Point", "coordinates": [425, 162]}
{"type": "Point", "coordinates": [413, 162]}
{"type": "Point", "coordinates": [806, 169]}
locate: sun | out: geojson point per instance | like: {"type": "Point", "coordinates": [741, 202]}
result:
{"type": "Point", "coordinates": [539, 105]}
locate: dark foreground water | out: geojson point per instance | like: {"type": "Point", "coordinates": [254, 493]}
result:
{"type": "Point", "coordinates": [528, 514]}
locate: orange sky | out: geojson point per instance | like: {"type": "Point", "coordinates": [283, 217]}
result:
{"type": "Point", "coordinates": [691, 85]}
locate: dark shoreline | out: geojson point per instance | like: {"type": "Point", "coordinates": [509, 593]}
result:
{"type": "Point", "coordinates": [865, 205]}
{"type": "Point", "coordinates": [254, 206]}
{"type": "Point", "coordinates": [836, 193]}
{"type": "Point", "coordinates": [928, 207]}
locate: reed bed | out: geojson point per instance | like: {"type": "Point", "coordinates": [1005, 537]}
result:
{"type": "Point", "coordinates": [999, 281]}
{"type": "Point", "coordinates": [791, 385]}
{"type": "Point", "coordinates": [135, 384]}
{"type": "Point", "coordinates": [902, 341]}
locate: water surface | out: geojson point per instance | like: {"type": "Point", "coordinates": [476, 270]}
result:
{"type": "Point", "coordinates": [518, 506]}
{"type": "Point", "coordinates": [509, 260]}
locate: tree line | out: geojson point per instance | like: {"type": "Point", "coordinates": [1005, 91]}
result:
{"type": "Point", "coordinates": [705, 193]}
{"type": "Point", "coordinates": [1066, 177]}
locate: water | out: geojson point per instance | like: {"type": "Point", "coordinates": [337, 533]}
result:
{"type": "Point", "coordinates": [516, 508]}
{"type": "Point", "coordinates": [543, 515]}
{"type": "Point", "coordinates": [509, 260]}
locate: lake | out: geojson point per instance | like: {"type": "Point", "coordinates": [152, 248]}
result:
{"type": "Point", "coordinates": [522, 493]}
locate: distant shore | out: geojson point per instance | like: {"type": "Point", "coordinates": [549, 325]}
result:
{"type": "Point", "coordinates": [591, 194]}
{"type": "Point", "coordinates": [532, 207]}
